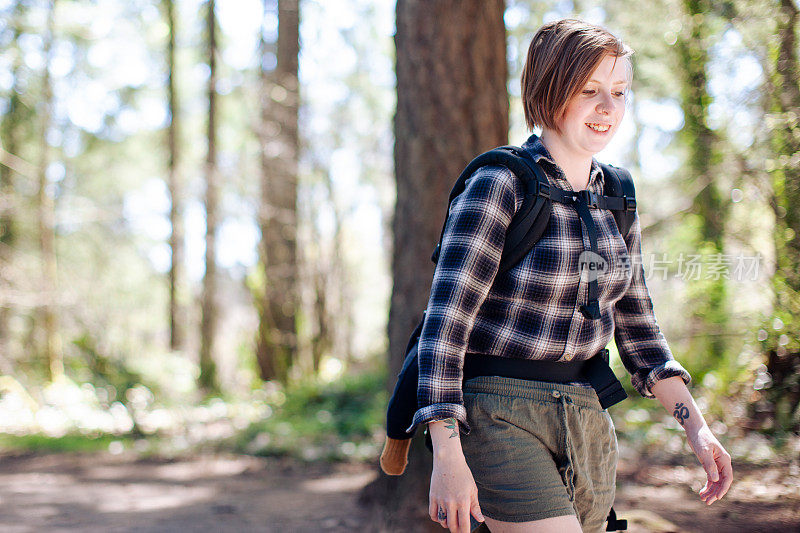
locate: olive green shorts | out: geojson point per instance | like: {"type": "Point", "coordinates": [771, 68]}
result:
{"type": "Point", "coordinates": [539, 450]}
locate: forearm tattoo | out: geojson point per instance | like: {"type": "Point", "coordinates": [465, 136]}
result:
{"type": "Point", "coordinates": [450, 423]}
{"type": "Point", "coordinates": [681, 413]}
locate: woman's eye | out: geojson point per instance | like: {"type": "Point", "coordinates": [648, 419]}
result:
{"type": "Point", "coordinates": [618, 94]}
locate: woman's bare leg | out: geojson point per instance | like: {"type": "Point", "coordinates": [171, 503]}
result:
{"type": "Point", "coordinates": [558, 524]}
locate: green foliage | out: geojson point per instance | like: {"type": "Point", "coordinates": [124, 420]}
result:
{"type": "Point", "coordinates": [101, 370]}
{"type": "Point", "coordinates": [780, 331]}
{"type": "Point", "coordinates": [340, 420]}
{"type": "Point", "coordinates": [68, 443]}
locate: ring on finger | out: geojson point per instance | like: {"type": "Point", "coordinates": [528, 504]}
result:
{"type": "Point", "coordinates": [441, 515]}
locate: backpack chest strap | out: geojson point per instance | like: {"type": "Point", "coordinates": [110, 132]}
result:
{"type": "Point", "coordinates": [582, 201]}
{"type": "Point", "coordinates": [587, 197]}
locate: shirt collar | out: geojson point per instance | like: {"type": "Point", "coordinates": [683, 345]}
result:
{"type": "Point", "coordinates": [536, 148]}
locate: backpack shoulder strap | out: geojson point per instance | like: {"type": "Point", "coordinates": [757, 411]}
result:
{"type": "Point", "coordinates": [617, 182]}
{"type": "Point", "coordinates": [531, 218]}
{"type": "Point", "coordinates": [530, 221]}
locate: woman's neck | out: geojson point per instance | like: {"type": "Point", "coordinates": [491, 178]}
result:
{"type": "Point", "coordinates": [576, 168]}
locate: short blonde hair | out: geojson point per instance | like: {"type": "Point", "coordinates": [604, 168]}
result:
{"type": "Point", "coordinates": [561, 58]}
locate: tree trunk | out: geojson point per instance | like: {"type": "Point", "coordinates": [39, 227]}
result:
{"type": "Point", "coordinates": [339, 308]}
{"type": "Point", "coordinates": [10, 139]}
{"type": "Point", "coordinates": [46, 214]}
{"type": "Point", "coordinates": [452, 105]}
{"type": "Point", "coordinates": [10, 142]}
{"type": "Point", "coordinates": [208, 326]}
{"type": "Point", "coordinates": [321, 343]}
{"type": "Point", "coordinates": [177, 311]}
{"type": "Point", "coordinates": [783, 342]}
{"type": "Point", "coordinates": [276, 345]}
{"type": "Point", "coordinates": [709, 206]}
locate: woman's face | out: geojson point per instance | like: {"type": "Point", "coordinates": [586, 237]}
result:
{"type": "Point", "coordinates": [593, 116]}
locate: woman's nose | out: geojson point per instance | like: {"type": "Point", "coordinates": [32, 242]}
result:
{"type": "Point", "coordinates": [605, 104]}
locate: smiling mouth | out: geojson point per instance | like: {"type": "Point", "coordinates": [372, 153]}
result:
{"type": "Point", "coordinates": [600, 128]}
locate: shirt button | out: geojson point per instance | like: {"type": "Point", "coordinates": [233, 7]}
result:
{"type": "Point", "coordinates": [567, 357]}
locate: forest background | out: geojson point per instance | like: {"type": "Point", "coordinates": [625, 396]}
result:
{"type": "Point", "coordinates": [207, 220]}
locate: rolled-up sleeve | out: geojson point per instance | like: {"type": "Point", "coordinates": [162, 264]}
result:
{"type": "Point", "coordinates": [472, 245]}
{"type": "Point", "coordinates": [642, 347]}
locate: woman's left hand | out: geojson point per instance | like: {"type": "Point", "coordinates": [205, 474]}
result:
{"type": "Point", "coordinates": [716, 462]}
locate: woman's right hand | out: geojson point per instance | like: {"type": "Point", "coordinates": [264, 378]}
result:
{"type": "Point", "coordinates": [453, 489]}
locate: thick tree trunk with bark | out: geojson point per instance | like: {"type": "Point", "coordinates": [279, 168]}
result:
{"type": "Point", "coordinates": [782, 345]}
{"type": "Point", "coordinates": [276, 345]}
{"type": "Point", "coordinates": [174, 184]}
{"type": "Point", "coordinates": [452, 104]}
{"type": "Point", "coordinates": [208, 326]}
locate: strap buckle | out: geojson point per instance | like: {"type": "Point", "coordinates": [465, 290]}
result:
{"type": "Point", "coordinates": [543, 189]}
{"type": "Point", "coordinates": [590, 310]}
{"type": "Point", "coordinates": [630, 203]}
{"type": "Point", "coordinates": [590, 197]}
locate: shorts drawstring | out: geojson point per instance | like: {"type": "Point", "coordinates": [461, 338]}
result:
{"type": "Point", "coordinates": [563, 400]}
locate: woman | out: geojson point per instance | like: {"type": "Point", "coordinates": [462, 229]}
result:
{"type": "Point", "coordinates": [533, 455]}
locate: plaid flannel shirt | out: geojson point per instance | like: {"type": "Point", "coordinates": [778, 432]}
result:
{"type": "Point", "coordinates": [532, 311]}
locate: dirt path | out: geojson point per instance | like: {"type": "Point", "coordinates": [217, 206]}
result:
{"type": "Point", "coordinates": [103, 492]}
{"type": "Point", "coordinates": [663, 498]}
